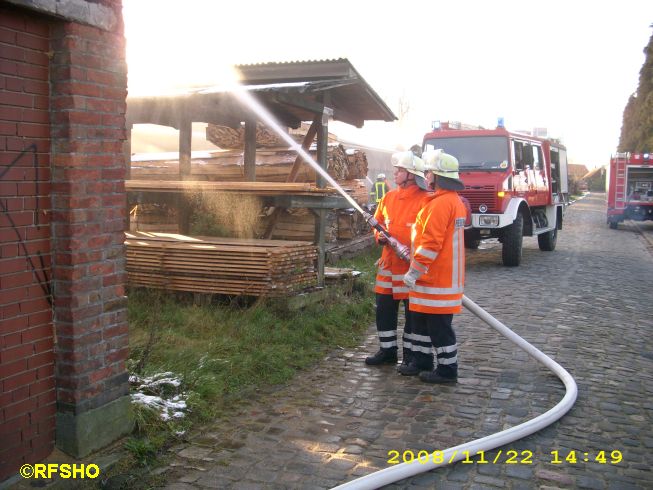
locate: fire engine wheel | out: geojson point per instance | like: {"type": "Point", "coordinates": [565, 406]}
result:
{"type": "Point", "coordinates": [471, 240]}
{"type": "Point", "coordinates": [512, 242]}
{"type": "Point", "coordinates": [547, 241]}
{"type": "Point", "coordinates": [614, 225]}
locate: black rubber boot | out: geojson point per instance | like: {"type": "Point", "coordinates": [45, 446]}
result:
{"type": "Point", "coordinates": [383, 356]}
{"type": "Point", "coordinates": [436, 378]}
{"type": "Point", "coordinates": [406, 360]}
{"type": "Point", "coordinates": [410, 369]}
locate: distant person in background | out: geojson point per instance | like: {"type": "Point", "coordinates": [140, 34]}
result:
{"type": "Point", "coordinates": [396, 213]}
{"type": "Point", "coordinates": [417, 150]}
{"type": "Point", "coordinates": [380, 189]}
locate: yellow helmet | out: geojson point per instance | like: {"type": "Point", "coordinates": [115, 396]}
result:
{"type": "Point", "coordinates": [443, 165]}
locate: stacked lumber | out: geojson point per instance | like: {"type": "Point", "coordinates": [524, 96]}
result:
{"type": "Point", "coordinates": [299, 224]}
{"type": "Point", "coordinates": [351, 224]}
{"type": "Point", "coordinates": [153, 217]}
{"type": "Point", "coordinates": [230, 138]}
{"type": "Point", "coordinates": [357, 164]}
{"type": "Point", "coordinates": [219, 265]}
{"type": "Point", "coordinates": [272, 165]}
{"type": "Point", "coordinates": [357, 189]}
{"type": "Point", "coordinates": [260, 188]}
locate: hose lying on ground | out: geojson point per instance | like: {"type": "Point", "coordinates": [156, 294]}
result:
{"type": "Point", "coordinates": [468, 449]}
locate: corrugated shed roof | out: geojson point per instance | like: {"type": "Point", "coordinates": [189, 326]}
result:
{"type": "Point", "coordinates": [293, 91]}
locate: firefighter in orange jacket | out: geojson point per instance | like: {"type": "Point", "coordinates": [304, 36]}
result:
{"type": "Point", "coordinates": [436, 276]}
{"type": "Point", "coordinates": [396, 212]}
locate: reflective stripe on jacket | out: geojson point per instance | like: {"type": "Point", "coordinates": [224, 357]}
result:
{"type": "Point", "coordinates": [438, 252]}
{"type": "Point", "coordinates": [396, 212]}
{"type": "Point", "coordinates": [380, 190]}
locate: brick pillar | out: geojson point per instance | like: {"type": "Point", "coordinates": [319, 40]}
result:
{"type": "Point", "coordinates": [88, 95]}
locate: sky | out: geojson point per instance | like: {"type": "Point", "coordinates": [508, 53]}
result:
{"type": "Point", "coordinates": [567, 66]}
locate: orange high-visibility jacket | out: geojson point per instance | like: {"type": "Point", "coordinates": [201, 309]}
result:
{"type": "Point", "coordinates": [438, 251]}
{"type": "Point", "coordinates": [396, 212]}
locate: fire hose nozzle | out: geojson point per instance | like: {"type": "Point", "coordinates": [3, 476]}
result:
{"type": "Point", "coordinates": [402, 251]}
{"type": "Point", "coordinates": [370, 219]}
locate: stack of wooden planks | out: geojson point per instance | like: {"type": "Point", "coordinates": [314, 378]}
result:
{"type": "Point", "coordinates": [272, 165]}
{"type": "Point", "coordinates": [351, 225]}
{"type": "Point", "coordinates": [259, 188]}
{"type": "Point", "coordinates": [153, 217]}
{"type": "Point", "coordinates": [219, 265]}
{"type": "Point", "coordinates": [299, 224]}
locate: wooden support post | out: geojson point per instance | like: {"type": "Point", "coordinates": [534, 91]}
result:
{"type": "Point", "coordinates": [306, 145]}
{"type": "Point", "coordinates": [185, 139]}
{"type": "Point", "coordinates": [322, 154]}
{"type": "Point", "coordinates": [249, 156]}
{"type": "Point", "coordinates": [127, 152]}
{"type": "Point", "coordinates": [320, 235]}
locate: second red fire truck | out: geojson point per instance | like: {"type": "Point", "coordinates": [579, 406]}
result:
{"type": "Point", "coordinates": [516, 184]}
{"type": "Point", "coordinates": [630, 188]}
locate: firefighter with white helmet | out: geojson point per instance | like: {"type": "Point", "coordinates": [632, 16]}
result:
{"type": "Point", "coordinates": [436, 276]}
{"type": "Point", "coordinates": [397, 212]}
{"type": "Point", "coordinates": [380, 189]}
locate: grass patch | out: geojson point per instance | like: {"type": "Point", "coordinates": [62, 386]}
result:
{"type": "Point", "coordinates": [225, 350]}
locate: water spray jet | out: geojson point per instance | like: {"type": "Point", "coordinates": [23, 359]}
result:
{"type": "Point", "coordinates": [457, 453]}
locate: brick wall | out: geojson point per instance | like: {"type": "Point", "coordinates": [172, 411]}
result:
{"type": "Point", "coordinates": [63, 86]}
{"type": "Point", "coordinates": [27, 383]}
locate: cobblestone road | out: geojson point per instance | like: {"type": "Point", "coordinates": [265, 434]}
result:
{"type": "Point", "coordinates": [588, 305]}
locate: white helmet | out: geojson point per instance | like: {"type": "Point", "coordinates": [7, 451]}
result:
{"type": "Point", "coordinates": [408, 160]}
{"type": "Point", "coordinates": [381, 176]}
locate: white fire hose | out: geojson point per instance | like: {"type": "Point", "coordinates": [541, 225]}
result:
{"type": "Point", "coordinates": [470, 449]}
{"type": "Point", "coordinates": [451, 455]}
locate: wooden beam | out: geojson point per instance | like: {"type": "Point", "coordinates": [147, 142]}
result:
{"type": "Point", "coordinates": [249, 153]}
{"type": "Point", "coordinates": [306, 144]}
{"type": "Point", "coordinates": [301, 101]}
{"type": "Point", "coordinates": [262, 188]}
{"type": "Point", "coordinates": [311, 202]}
{"type": "Point", "coordinates": [185, 138]}
{"type": "Point", "coordinates": [320, 222]}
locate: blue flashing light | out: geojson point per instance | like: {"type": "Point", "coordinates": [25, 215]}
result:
{"type": "Point", "coordinates": [500, 123]}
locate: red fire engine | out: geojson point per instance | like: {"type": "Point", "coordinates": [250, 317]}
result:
{"type": "Point", "coordinates": [630, 188]}
{"type": "Point", "coordinates": [516, 184]}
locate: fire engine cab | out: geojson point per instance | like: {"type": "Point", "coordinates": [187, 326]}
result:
{"type": "Point", "coordinates": [630, 188]}
{"type": "Point", "coordinates": [516, 184]}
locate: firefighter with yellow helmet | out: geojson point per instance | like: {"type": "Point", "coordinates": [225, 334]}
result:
{"type": "Point", "coordinates": [396, 212]}
{"type": "Point", "coordinates": [436, 276]}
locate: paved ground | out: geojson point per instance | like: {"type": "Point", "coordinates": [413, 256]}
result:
{"type": "Point", "coordinates": [588, 305]}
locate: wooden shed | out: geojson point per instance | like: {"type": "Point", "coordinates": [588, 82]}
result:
{"type": "Point", "coordinates": [292, 93]}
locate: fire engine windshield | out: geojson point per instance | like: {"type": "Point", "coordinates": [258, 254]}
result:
{"type": "Point", "coordinates": [474, 152]}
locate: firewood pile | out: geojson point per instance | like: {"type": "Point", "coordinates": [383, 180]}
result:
{"type": "Point", "coordinates": [219, 265]}
{"type": "Point", "coordinates": [357, 164]}
{"type": "Point", "coordinates": [230, 138]}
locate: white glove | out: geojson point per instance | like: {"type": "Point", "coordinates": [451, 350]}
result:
{"type": "Point", "coordinates": [411, 277]}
